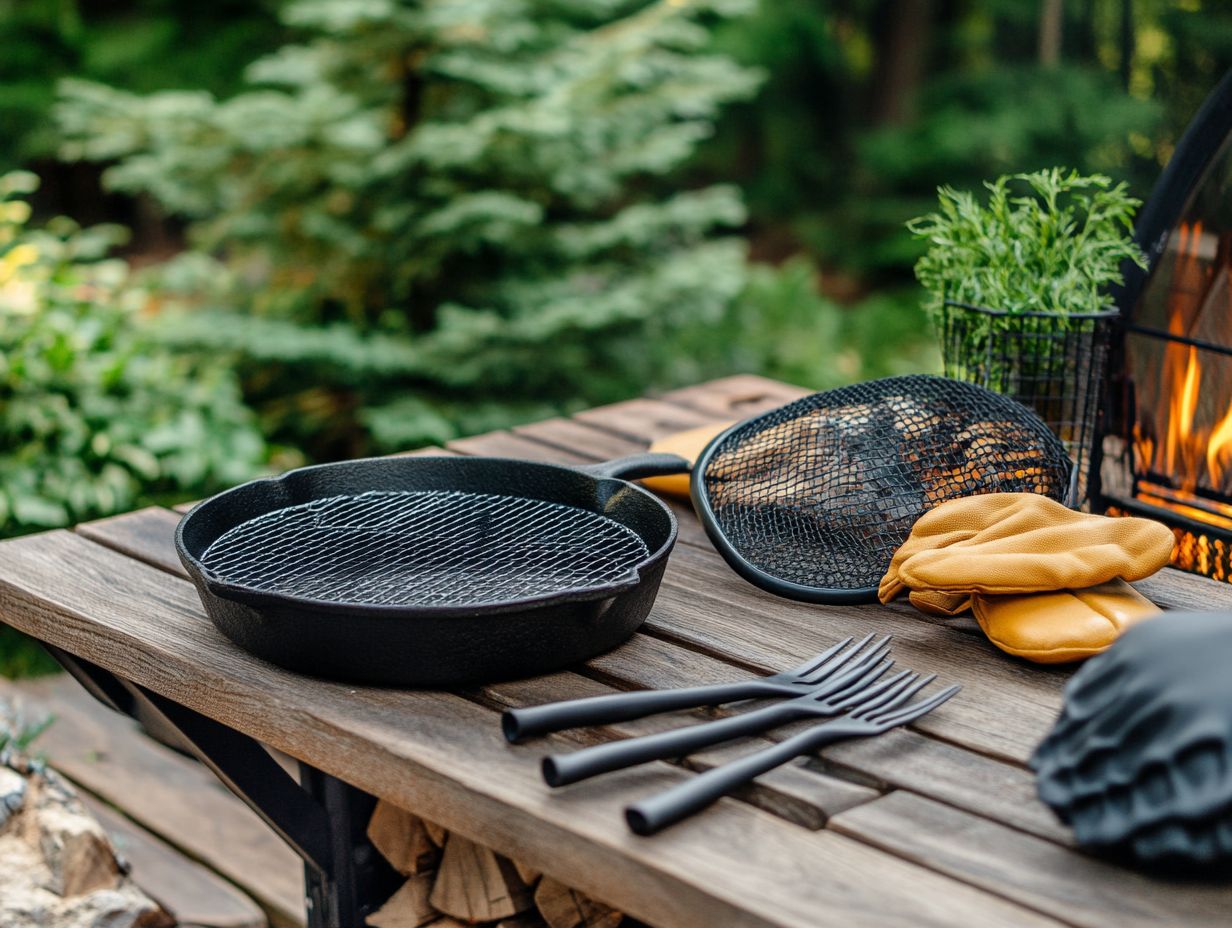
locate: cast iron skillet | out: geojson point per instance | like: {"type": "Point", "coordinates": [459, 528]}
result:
{"type": "Point", "coordinates": [439, 644]}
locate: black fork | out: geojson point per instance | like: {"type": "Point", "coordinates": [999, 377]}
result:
{"type": "Point", "coordinates": [621, 707]}
{"type": "Point", "coordinates": [838, 694]}
{"type": "Point", "coordinates": [875, 716]}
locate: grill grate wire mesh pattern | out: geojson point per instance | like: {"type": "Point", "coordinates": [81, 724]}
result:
{"type": "Point", "coordinates": [821, 492]}
{"type": "Point", "coordinates": [1051, 362]}
{"type": "Point", "coordinates": [425, 548]}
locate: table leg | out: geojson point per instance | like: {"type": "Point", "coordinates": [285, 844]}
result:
{"type": "Point", "coordinates": [323, 819]}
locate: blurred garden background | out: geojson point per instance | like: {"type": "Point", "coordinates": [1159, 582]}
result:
{"type": "Point", "coordinates": [239, 236]}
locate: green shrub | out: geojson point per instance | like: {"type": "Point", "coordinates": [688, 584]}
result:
{"type": "Point", "coordinates": [141, 45]}
{"type": "Point", "coordinates": [430, 214]}
{"type": "Point", "coordinates": [782, 326]}
{"type": "Point", "coordinates": [95, 414]}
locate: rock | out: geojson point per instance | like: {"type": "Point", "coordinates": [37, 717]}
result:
{"type": "Point", "coordinates": [12, 795]}
{"type": "Point", "coordinates": [77, 852]}
{"type": "Point", "coordinates": [57, 868]}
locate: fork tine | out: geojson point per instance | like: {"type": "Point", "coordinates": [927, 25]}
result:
{"type": "Point", "coordinates": [828, 668]}
{"type": "Point", "coordinates": [867, 706]}
{"type": "Point", "coordinates": [855, 677]}
{"type": "Point", "coordinates": [818, 659]}
{"type": "Point", "coordinates": [858, 695]}
{"type": "Point", "coordinates": [914, 711]}
{"type": "Point", "coordinates": [904, 696]}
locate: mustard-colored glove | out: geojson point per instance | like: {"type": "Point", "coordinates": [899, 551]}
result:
{"type": "Point", "coordinates": [1006, 543]}
{"type": "Point", "coordinates": [1045, 583]}
{"type": "Point", "coordinates": [1062, 626]}
{"type": "Point", "coordinates": [688, 445]}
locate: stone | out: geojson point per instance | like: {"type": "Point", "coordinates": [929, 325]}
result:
{"type": "Point", "coordinates": [57, 867]}
{"type": "Point", "coordinates": [77, 852]}
{"type": "Point", "coordinates": [12, 795]}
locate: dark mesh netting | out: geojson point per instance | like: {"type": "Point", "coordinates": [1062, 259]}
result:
{"type": "Point", "coordinates": [821, 492]}
{"type": "Point", "coordinates": [425, 548]}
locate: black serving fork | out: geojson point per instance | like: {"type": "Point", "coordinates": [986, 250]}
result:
{"type": "Point", "coordinates": [621, 707]}
{"type": "Point", "coordinates": [843, 693]}
{"type": "Point", "coordinates": [874, 717]}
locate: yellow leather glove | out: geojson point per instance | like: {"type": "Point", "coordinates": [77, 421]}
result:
{"type": "Point", "coordinates": [688, 445]}
{"type": "Point", "coordinates": [1045, 583]}
{"type": "Point", "coordinates": [1062, 626]}
{"type": "Point", "coordinates": [1003, 543]}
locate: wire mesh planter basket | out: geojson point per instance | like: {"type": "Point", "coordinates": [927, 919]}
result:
{"type": "Point", "coordinates": [1052, 362]}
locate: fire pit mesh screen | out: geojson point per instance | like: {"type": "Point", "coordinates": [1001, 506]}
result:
{"type": "Point", "coordinates": [821, 492]}
{"type": "Point", "coordinates": [425, 548]}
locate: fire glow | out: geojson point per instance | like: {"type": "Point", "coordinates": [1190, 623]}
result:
{"type": "Point", "coordinates": [1194, 451]}
{"type": "Point", "coordinates": [1184, 453]}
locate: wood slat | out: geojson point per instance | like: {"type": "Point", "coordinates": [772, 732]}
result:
{"type": "Point", "coordinates": [901, 758]}
{"type": "Point", "coordinates": [804, 796]}
{"type": "Point", "coordinates": [644, 420]}
{"type": "Point", "coordinates": [579, 438]}
{"type": "Point", "coordinates": [1035, 873]}
{"type": "Point", "coordinates": [937, 769]}
{"type": "Point", "coordinates": [707, 625]}
{"type": "Point", "coordinates": [105, 754]}
{"type": "Point", "coordinates": [443, 757]}
{"type": "Point", "coordinates": [793, 792]}
{"type": "Point", "coordinates": [196, 896]}
{"type": "Point", "coordinates": [736, 397]}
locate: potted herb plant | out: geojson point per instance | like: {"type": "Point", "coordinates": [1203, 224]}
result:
{"type": "Point", "coordinates": [1019, 288]}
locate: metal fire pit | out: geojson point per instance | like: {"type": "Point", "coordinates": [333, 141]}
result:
{"type": "Point", "coordinates": [1166, 451]}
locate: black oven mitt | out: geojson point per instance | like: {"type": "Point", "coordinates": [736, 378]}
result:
{"type": "Point", "coordinates": [1140, 761]}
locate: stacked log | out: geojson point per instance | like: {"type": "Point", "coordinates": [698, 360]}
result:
{"type": "Point", "coordinates": [453, 881]}
{"type": "Point", "coordinates": [59, 870]}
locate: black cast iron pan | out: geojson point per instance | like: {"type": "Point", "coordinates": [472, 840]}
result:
{"type": "Point", "coordinates": [432, 571]}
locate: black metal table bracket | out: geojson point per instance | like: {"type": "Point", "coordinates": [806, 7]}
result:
{"type": "Point", "coordinates": [323, 819]}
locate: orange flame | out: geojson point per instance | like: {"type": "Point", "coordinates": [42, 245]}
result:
{"type": "Point", "coordinates": [1190, 452]}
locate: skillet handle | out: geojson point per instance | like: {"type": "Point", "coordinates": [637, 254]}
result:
{"type": "Point", "coordinates": [636, 466]}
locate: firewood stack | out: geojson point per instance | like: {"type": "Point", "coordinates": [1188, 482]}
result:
{"type": "Point", "coordinates": [57, 866]}
{"type": "Point", "coordinates": [452, 881]}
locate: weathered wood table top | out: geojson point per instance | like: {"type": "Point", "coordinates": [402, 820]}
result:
{"type": "Point", "coordinates": [935, 825]}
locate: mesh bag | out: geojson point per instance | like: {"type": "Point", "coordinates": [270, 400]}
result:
{"type": "Point", "coordinates": [811, 500]}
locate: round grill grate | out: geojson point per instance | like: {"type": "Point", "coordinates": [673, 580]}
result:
{"type": "Point", "coordinates": [425, 548]}
{"type": "Point", "coordinates": [821, 492]}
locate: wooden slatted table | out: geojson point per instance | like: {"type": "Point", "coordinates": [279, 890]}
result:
{"type": "Point", "coordinates": [936, 825]}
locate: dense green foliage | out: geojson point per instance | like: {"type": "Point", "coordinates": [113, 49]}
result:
{"type": "Point", "coordinates": [428, 211]}
{"type": "Point", "coordinates": [870, 105]}
{"type": "Point", "coordinates": [138, 44]}
{"type": "Point", "coordinates": [1056, 247]}
{"type": "Point", "coordinates": [94, 414]}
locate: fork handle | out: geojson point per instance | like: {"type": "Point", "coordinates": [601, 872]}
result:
{"type": "Point", "coordinates": [518, 724]}
{"type": "Point", "coordinates": [562, 769]}
{"type": "Point", "coordinates": [668, 807]}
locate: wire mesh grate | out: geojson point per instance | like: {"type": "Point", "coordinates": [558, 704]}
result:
{"type": "Point", "coordinates": [823, 491]}
{"type": "Point", "coordinates": [425, 548]}
{"type": "Point", "coordinates": [1051, 362]}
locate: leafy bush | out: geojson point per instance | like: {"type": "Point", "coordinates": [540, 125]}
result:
{"type": "Point", "coordinates": [427, 214]}
{"type": "Point", "coordinates": [95, 414]}
{"type": "Point", "coordinates": [1056, 248]}
{"type": "Point", "coordinates": [137, 44]}
{"type": "Point", "coordinates": [783, 327]}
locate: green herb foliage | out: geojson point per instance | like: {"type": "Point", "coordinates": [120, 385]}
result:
{"type": "Point", "coordinates": [1052, 241]}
